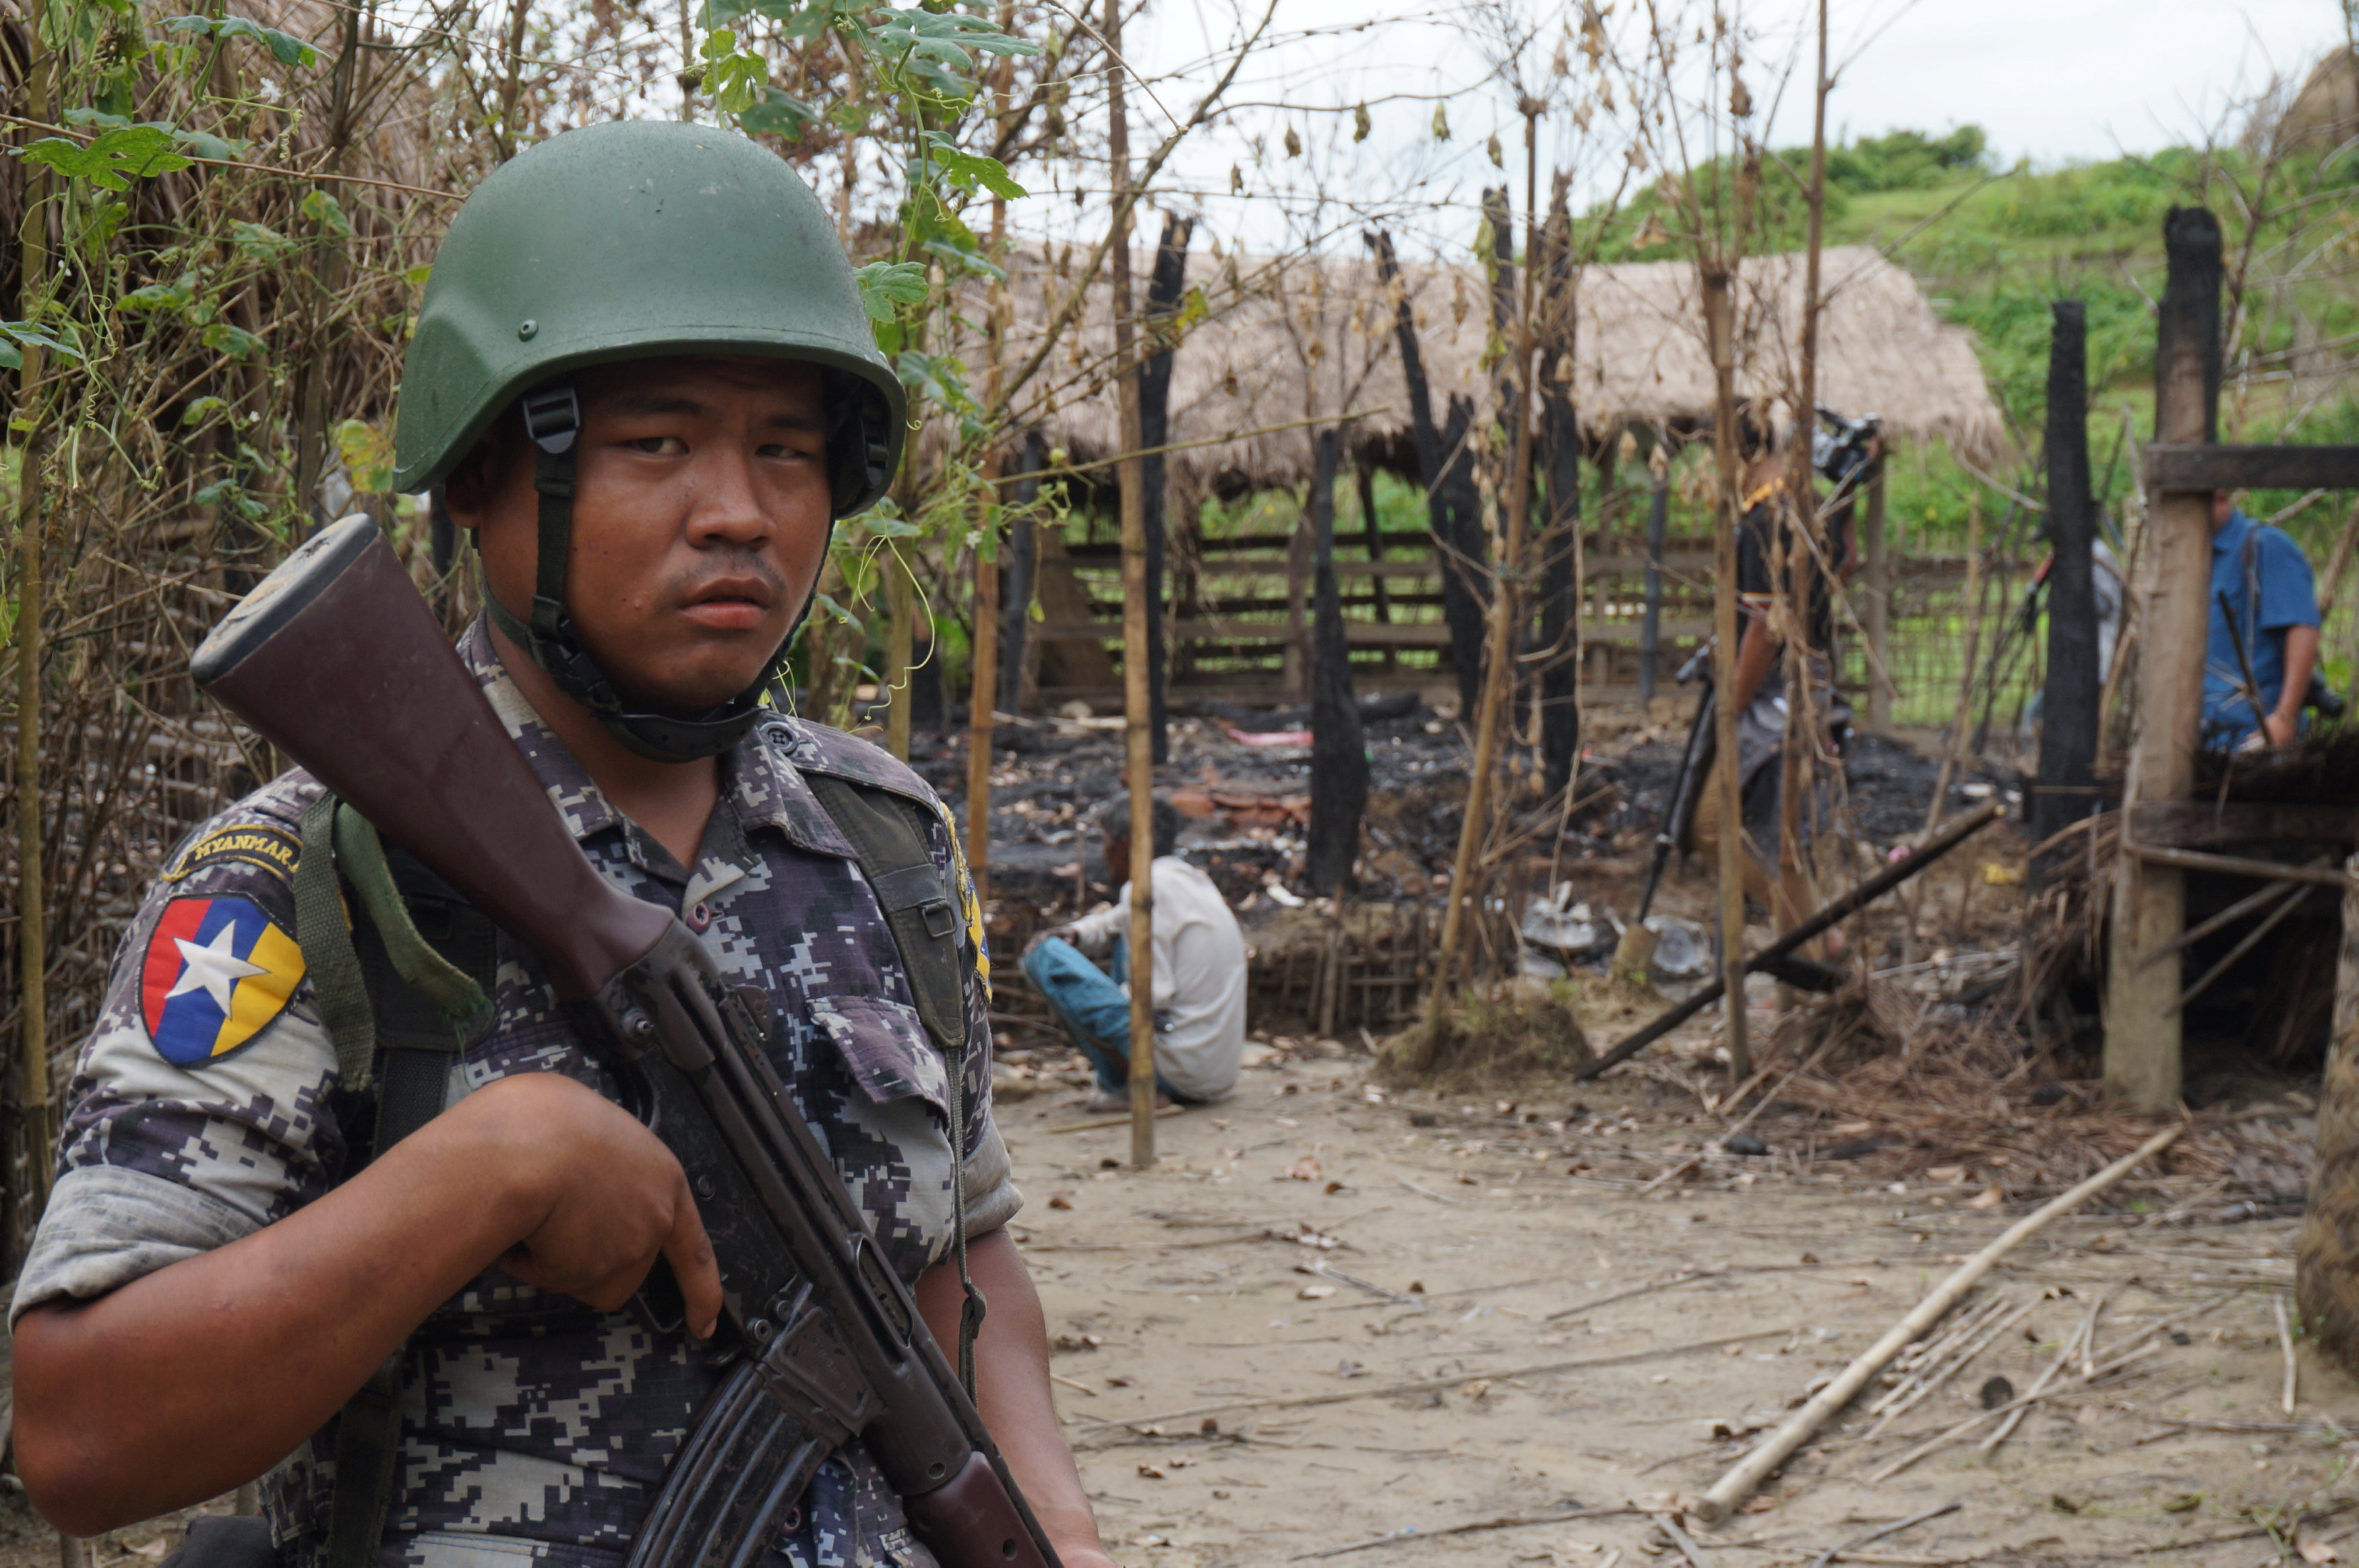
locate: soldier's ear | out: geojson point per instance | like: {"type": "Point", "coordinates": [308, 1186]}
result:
{"type": "Point", "coordinates": [474, 487]}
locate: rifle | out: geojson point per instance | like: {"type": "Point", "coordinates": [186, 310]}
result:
{"type": "Point", "coordinates": [336, 660]}
{"type": "Point", "coordinates": [1695, 762]}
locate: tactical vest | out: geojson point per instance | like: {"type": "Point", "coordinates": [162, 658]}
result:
{"type": "Point", "coordinates": [403, 987]}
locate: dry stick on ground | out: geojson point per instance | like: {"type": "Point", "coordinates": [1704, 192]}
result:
{"type": "Point", "coordinates": [2084, 1335]}
{"type": "Point", "coordinates": [1832, 1553]}
{"type": "Point", "coordinates": [1510, 1521]}
{"type": "Point", "coordinates": [1669, 1526]}
{"type": "Point", "coordinates": [2134, 1349]}
{"type": "Point", "coordinates": [2285, 1344]}
{"type": "Point", "coordinates": [1965, 1428]}
{"type": "Point", "coordinates": [1429, 1385]}
{"type": "Point", "coordinates": [1909, 1395]}
{"type": "Point", "coordinates": [1738, 1484]}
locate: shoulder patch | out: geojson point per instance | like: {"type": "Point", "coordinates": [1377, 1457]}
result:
{"type": "Point", "coordinates": [215, 972]}
{"type": "Point", "coordinates": [251, 844]}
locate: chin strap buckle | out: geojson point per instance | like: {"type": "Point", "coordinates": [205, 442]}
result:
{"type": "Point", "coordinates": [552, 417]}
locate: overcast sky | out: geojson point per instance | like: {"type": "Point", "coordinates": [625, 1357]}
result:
{"type": "Point", "coordinates": [2054, 81]}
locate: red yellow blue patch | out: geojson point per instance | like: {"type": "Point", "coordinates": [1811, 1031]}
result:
{"type": "Point", "coordinates": [217, 970]}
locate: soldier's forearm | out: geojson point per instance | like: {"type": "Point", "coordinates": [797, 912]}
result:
{"type": "Point", "coordinates": [200, 1377]}
{"type": "Point", "coordinates": [1011, 1386]}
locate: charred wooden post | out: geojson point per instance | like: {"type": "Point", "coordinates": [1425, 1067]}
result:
{"type": "Point", "coordinates": [2142, 1021]}
{"type": "Point", "coordinates": [1163, 290]}
{"type": "Point", "coordinates": [1446, 470]}
{"type": "Point", "coordinates": [2067, 707]}
{"type": "Point", "coordinates": [1560, 670]}
{"type": "Point", "coordinates": [1296, 668]}
{"type": "Point", "coordinates": [1023, 575]}
{"type": "Point", "coordinates": [1499, 220]}
{"type": "Point", "coordinates": [1339, 756]}
{"type": "Point", "coordinates": [2326, 1251]}
{"type": "Point", "coordinates": [1465, 546]}
{"type": "Point", "coordinates": [1365, 474]}
{"type": "Point", "coordinates": [1659, 522]}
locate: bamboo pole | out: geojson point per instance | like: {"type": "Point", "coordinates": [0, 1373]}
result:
{"type": "Point", "coordinates": [1749, 1472]}
{"type": "Point", "coordinates": [1136, 687]}
{"type": "Point", "coordinates": [1805, 725]}
{"type": "Point", "coordinates": [982, 689]}
{"type": "Point", "coordinates": [32, 934]}
{"type": "Point", "coordinates": [1720, 335]}
{"type": "Point", "coordinates": [1498, 670]}
{"type": "Point", "coordinates": [900, 638]}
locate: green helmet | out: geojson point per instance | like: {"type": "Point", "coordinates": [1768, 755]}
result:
{"type": "Point", "coordinates": [626, 241]}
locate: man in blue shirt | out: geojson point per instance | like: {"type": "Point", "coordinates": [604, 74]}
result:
{"type": "Point", "coordinates": [2263, 601]}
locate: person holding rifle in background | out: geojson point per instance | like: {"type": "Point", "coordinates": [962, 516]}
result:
{"type": "Point", "coordinates": [643, 378]}
{"type": "Point", "coordinates": [1764, 538]}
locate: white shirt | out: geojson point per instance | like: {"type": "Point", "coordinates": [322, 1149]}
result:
{"type": "Point", "coordinates": [1200, 977]}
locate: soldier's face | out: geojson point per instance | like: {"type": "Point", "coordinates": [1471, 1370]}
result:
{"type": "Point", "coordinates": [700, 519]}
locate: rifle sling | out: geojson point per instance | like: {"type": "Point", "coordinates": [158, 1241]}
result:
{"type": "Point", "coordinates": [401, 994]}
{"type": "Point", "coordinates": [887, 833]}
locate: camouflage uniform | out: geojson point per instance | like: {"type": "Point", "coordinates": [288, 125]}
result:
{"type": "Point", "coordinates": [535, 1427]}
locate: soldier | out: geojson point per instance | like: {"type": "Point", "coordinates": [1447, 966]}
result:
{"type": "Point", "coordinates": [642, 378]}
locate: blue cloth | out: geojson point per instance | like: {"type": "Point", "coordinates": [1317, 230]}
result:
{"type": "Point", "coordinates": [2267, 582]}
{"type": "Point", "coordinates": [1090, 1004]}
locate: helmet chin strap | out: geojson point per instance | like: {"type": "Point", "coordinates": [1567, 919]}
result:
{"type": "Point", "coordinates": [857, 450]}
{"type": "Point", "coordinates": [552, 417]}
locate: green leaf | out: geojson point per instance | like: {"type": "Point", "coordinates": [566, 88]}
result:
{"type": "Point", "coordinates": [777, 113]}
{"type": "Point", "coordinates": [117, 158]}
{"type": "Point", "coordinates": [734, 80]}
{"type": "Point", "coordinates": [885, 286]}
{"type": "Point", "coordinates": [259, 241]}
{"type": "Point", "coordinates": [235, 341]}
{"type": "Point", "coordinates": [204, 408]}
{"type": "Point", "coordinates": [416, 277]}
{"type": "Point", "coordinates": [201, 143]}
{"type": "Point", "coordinates": [946, 37]}
{"type": "Point", "coordinates": [16, 336]}
{"type": "Point", "coordinates": [325, 210]}
{"type": "Point", "coordinates": [967, 170]}
{"type": "Point", "coordinates": [367, 452]}
{"type": "Point", "coordinates": [225, 150]}
{"type": "Point", "coordinates": [158, 297]}
{"type": "Point", "coordinates": [289, 49]}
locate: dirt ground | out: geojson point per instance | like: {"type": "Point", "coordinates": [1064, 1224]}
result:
{"type": "Point", "coordinates": [1336, 1321]}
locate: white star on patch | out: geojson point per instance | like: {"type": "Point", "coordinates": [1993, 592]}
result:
{"type": "Point", "coordinates": [211, 967]}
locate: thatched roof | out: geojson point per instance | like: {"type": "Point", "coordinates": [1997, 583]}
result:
{"type": "Point", "coordinates": [1294, 337]}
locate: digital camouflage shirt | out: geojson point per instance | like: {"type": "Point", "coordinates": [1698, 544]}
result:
{"type": "Point", "coordinates": [535, 1429]}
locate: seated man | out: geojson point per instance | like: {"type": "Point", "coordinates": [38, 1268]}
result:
{"type": "Point", "coordinates": [1199, 974]}
{"type": "Point", "coordinates": [2264, 615]}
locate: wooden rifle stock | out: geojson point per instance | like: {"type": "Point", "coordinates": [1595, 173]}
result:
{"type": "Point", "coordinates": [335, 659]}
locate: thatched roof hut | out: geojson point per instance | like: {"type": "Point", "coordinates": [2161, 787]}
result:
{"type": "Point", "coordinates": [1295, 339]}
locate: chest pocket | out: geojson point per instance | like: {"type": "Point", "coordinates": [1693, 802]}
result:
{"type": "Point", "coordinates": [885, 1045]}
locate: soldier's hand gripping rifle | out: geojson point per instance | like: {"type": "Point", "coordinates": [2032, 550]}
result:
{"type": "Point", "coordinates": [336, 660]}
